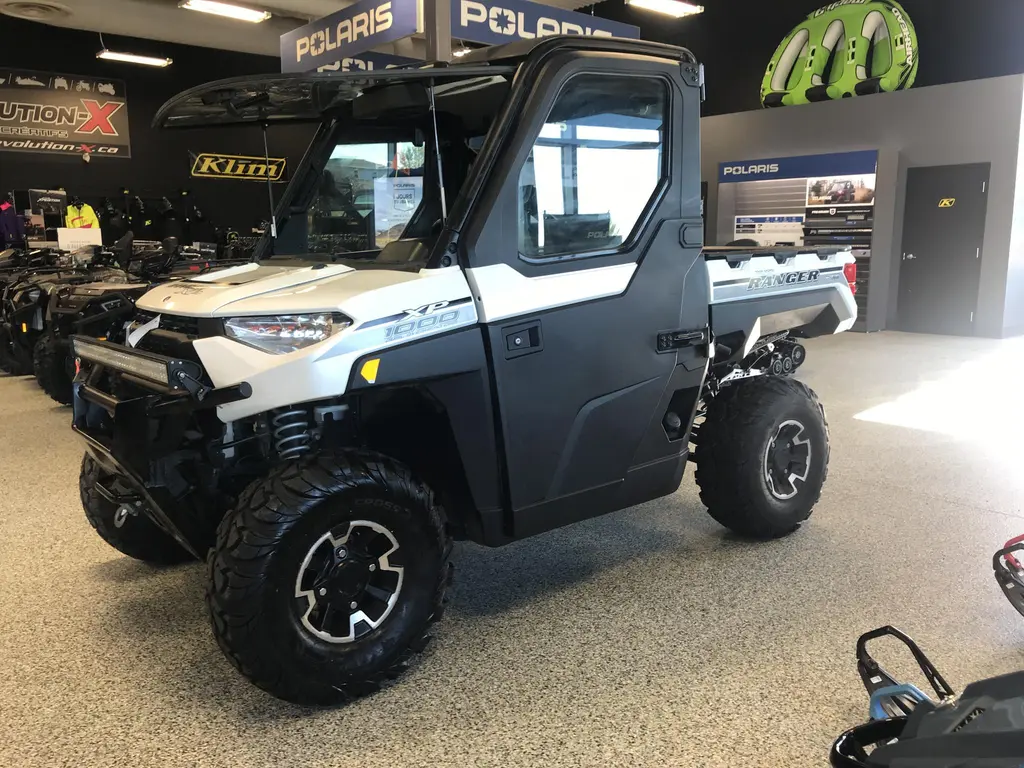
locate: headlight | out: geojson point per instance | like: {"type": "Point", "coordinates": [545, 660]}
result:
{"type": "Point", "coordinates": [281, 334]}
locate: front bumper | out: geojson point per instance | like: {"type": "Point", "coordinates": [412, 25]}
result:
{"type": "Point", "coordinates": [135, 438]}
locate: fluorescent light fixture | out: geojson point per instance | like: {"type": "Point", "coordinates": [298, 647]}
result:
{"type": "Point", "coordinates": [133, 58]}
{"type": "Point", "coordinates": [459, 52]}
{"type": "Point", "coordinates": [675, 8]}
{"type": "Point", "coordinates": [228, 10]}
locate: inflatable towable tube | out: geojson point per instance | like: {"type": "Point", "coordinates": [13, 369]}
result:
{"type": "Point", "coordinates": [847, 48]}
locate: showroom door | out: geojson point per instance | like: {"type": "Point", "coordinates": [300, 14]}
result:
{"type": "Point", "coordinates": [943, 239]}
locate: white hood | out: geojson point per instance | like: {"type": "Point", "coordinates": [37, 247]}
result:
{"type": "Point", "coordinates": [254, 289]}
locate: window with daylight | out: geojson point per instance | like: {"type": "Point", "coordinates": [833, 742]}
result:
{"type": "Point", "coordinates": [595, 167]}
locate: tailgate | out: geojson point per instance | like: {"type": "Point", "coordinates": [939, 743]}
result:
{"type": "Point", "coordinates": [755, 293]}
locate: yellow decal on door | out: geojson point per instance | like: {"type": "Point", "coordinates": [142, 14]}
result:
{"type": "Point", "coordinates": [947, 202]}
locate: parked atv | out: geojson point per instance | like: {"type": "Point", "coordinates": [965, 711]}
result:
{"type": "Point", "coordinates": [506, 359]}
{"type": "Point", "coordinates": [103, 310]}
{"type": "Point", "coordinates": [26, 300]}
{"type": "Point", "coordinates": [20, 268]}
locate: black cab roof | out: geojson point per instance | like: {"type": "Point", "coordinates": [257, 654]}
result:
{"type": "Point", "coordinates": [310, 97]}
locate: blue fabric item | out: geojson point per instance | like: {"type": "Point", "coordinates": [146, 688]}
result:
{"type": "Point", "coordinates": [12, 228]}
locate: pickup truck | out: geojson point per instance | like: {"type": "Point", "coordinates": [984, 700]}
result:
{"type": "Point", "coordinates": [520, 333]}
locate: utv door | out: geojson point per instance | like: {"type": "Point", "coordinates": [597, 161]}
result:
{"type": "Point", "coordinates": [583, 247]}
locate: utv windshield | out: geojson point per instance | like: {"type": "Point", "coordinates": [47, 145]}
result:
{"type": "Point", "coordinates": [393, 149]}
{"type": "Point", "coordinates": [367, 196]}
{"type": "Point", "coordinates": [376, 192]}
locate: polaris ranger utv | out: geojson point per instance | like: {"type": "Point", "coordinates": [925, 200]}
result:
{"type": "Point", "coordinates": [528, 347]}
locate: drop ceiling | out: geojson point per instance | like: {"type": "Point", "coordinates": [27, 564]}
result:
{"type": "Point", "coordinates": [163, 20]}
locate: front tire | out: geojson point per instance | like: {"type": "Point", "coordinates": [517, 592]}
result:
{"type": "Point", "coordinates": [762, 456]}
{"type": "Point", "coordinates": [328, 576]}
{"type": "Point", "coordinates": [50, 362]}
{"type": "Point", "coordinates": [131, 533]}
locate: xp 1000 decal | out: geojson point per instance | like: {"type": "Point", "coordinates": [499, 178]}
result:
{"type": "Point", "coordinates": [847, 48]}
{"type": "Point", "coordinates": [63, 114]}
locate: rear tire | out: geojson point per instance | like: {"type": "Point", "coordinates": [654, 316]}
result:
{"type": "Point", "coordinates": [302, 620]}
{"type": "Point", "coordinates": [50, 364]}
{"type": "Point", "coordinates": [762, 456]}
{"type": "Point", "coordinates": [134, 535]}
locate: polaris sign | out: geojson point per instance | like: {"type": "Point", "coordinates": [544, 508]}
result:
{"type": "Point", "coordinates": [751, 170]}
{"type": "Point", "coordinates": [806, 166]}
{"type": "Point", "coordinates": [507, 20]}
{"type": "Point", "coordinates": [368, 62]}
{"type": "Point", "coordinates": [349, 32]}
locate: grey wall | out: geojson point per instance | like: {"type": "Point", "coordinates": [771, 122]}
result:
{"type": "Point", "coordinates": [975, 122]}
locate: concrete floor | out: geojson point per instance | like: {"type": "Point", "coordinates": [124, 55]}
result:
{"type": "Point", "coordinates": [650, 637]}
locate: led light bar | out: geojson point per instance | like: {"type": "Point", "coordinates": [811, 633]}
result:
{"type": "Point", "coordinates": [133, 58]}
{"type": "Point", "coordinates": [675, 8]}
{"type": "Point", "coordinates": [228, 10]}
{"type": "Point", "coordinates": [126, 362]}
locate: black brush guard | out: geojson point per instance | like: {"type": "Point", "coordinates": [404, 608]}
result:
{"type": "Point", "coordinates": [130, 437]}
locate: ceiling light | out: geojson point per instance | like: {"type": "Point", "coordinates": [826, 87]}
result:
{"type": "Point", "coordinates": [230, 10]}
{"type": "Point", "coordinates": [459, 52]}
{"type": "Point", "coordinates": [675, 8]}
{"type": "Point", "coordinates": [133, 58]}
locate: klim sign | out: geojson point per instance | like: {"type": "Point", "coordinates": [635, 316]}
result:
{"type": "Point", "coordinates": [342, 41]}
{"type": "Point", "coordinates": [209, 165]}
{"type": "Point", "coordinates": [349, 32]}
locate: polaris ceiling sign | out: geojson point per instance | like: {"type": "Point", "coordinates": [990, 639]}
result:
{"type": "Point", "coordinates": [806, 166]}
{"type": "Point", "coordinates": [503, 21]}
{"type": "Point", "coordinates": [349, 32]}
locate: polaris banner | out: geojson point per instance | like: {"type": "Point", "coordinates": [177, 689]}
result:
{"type": "Point", "coordinates": [348, 33]}
{"type": "Point", "coordinates": [63, 114]}
{"type": "Point", "coordinates": [503, 21]}
{"type": "Point", "coordinates": [807, 166]}
{"type": "Point", "coordinates": [368, 61]}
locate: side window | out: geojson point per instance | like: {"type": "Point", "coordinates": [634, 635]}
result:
{"type": "Point", "coordinates": [595, 166]}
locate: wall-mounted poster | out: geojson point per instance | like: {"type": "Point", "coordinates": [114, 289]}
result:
{"type": "Point", "coordinates": [771, 230]}
{"type": "Point", "coordinates": [63, 114]}
{"type": "Point", "coordinates": [841, 190]}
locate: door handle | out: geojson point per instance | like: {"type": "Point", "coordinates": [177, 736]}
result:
{"type": "Point", "coordinates": [522, 340]}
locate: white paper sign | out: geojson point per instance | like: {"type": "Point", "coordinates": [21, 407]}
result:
{"type": "Point", "coordinates": [73, 239]}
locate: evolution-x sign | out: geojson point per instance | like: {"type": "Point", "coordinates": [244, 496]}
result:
{"type": "Point", "coordinates": [63, 114]}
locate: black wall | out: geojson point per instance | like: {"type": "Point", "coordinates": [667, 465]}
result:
{"type": "Point", "coordinates": [160, 163]}
{"type": "Point", "coordinates": [735, 39]}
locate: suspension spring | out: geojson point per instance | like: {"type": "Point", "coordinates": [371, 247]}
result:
{"type": "Point", "coordinates": [292, 433]}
